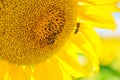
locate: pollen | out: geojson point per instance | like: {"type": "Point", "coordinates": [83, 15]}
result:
{"type": "Point", "coordinates": [32, 31]}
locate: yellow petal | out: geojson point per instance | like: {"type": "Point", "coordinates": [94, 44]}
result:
{"type": "Point", "coordinates": [92, 36]}
{"type": "Point", "coordinates": [101, 2]}
{"type": "Point", "coordinates": [106, 25]}
{"type": "Point", "coordinates": [79, 45]}
{"type": "Point", "coordinates": [71, 70]}
{"type": "Point", "coordinates": [87, 48]}
{"type": "Point", "coordinates": [72, 62]}
{"type": "Point", "coordinates": [48, 70]}
{"type": "Point", "coordinates": [16, 73]}
{"type": "Point", "coordinates": [87, 7]}
{"type": "Point", "coordinates": [98, 17]}
{"type": "Point", "coordinates": [4, 68]}
{"type": "Point", "coordinates": [111, 50]}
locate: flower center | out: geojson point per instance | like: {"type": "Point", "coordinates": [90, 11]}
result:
{"type": "Point", "coordinates": [33, 30]}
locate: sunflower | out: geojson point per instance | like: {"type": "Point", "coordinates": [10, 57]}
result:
{"type": "Point", "coordinates": [41, 39]}
{"type": "Point", "coordinates": [111, 51]}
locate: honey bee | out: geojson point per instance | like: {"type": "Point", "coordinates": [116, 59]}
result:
{"type": "Point", "coordinates": [77, 28]}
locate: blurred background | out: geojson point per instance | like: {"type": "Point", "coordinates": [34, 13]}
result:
{"type": "Point", "coordinates": [110, 58]}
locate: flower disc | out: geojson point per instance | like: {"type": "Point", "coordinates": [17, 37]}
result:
{"type": "Point", "coordinates": [31, 31]}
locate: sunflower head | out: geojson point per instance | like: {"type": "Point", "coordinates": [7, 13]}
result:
{"type": "Point", "coordinates": [33, 30]}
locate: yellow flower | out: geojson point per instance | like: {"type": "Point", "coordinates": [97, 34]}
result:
{"type": "Point", "coordinates": [41, 39]}
{"type": "Point", "coordinates": [110, 51]}
{"type": "Point", "coordinates": [115, 63]}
